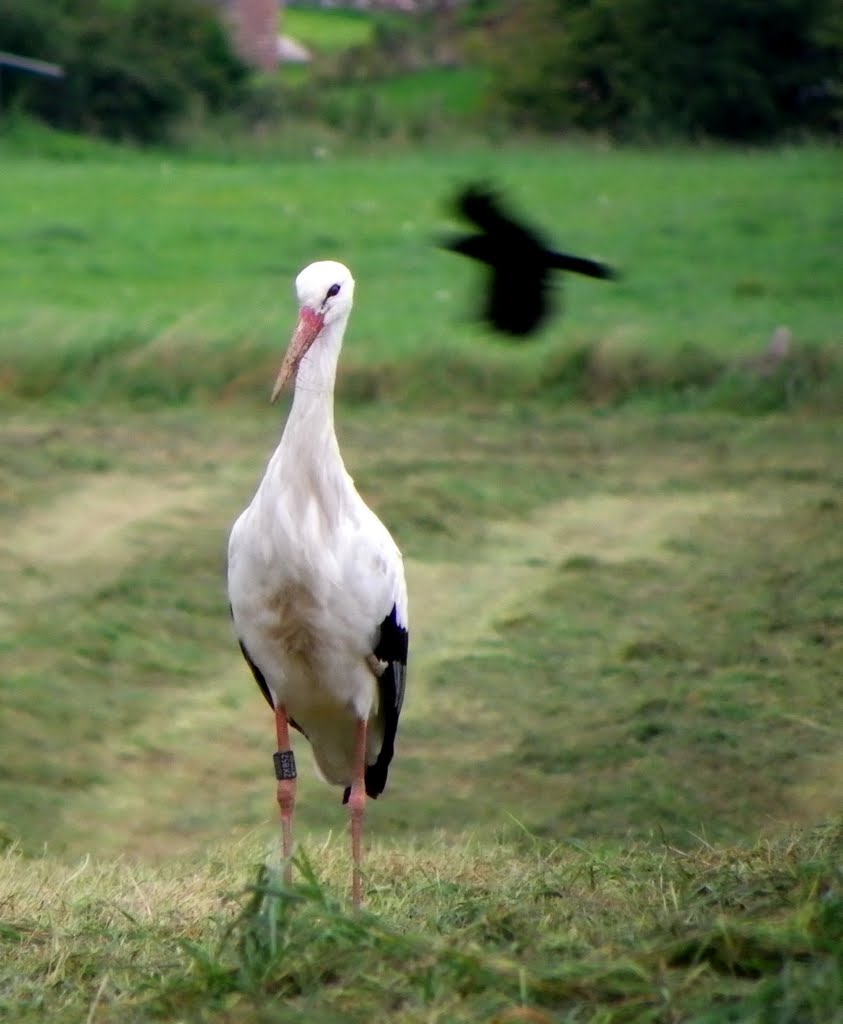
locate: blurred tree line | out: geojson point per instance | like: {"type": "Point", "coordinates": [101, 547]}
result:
{"type": "Point", "coordinates": [742, 70]}
{"type": "Point", "coordinates": [734, 69]}
{"type": "Point", "coordinates": [131, 66]}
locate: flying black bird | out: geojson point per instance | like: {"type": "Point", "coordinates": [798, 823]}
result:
{"type": "Point", "coordinates": [518, 295]}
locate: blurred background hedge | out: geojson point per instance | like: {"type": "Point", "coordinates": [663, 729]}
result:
{"type": "Point", "coordinates": [738, 70]}
{"type": "Point", "coordinates": [130, 67]}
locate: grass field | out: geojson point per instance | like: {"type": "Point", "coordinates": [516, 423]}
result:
{"type": "Point", "coordinates": [159, 278]}
{"type": "Point", "coordinates": [626, 649]}
{"type": "Point", "coordinates": [617, 792]}
{"type": "Point", "coordinates": [327, 31]}
{"type": "Point", "coordinates": [463, 931]}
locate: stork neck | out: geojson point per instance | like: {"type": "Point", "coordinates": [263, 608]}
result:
{"type": "Point", "coordinates": [317, 372]}
{"type": "Point", "coordinates": [310, 424]}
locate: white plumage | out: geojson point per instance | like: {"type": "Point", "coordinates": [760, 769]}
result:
{"type": "Point", "coordinates": [315, 581]}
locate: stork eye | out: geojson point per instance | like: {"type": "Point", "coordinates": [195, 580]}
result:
{"type": "Point", "coordinates": [332, 291]}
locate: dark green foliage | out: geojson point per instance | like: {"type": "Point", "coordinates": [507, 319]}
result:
{"type": "Point", "coordinates": [130, 69]}
{"type": "Point", "coordinates": [27, 29]}
{"type": "Point", "coordinates": [735, 70]}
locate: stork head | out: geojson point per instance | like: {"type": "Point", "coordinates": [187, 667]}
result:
{"type": "Point", "coordinates": [325, 292]}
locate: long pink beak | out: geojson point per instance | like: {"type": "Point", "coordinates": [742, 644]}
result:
{"type": "Point", "coordinates": [309, 325]}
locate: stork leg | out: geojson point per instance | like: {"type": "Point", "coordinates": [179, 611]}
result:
{"type": "Point", "coordinates": [285, 772]}
{"type": "Point", "coordinates": [357, 807]}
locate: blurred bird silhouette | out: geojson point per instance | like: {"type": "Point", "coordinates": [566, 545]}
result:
{"type": "Point", "coordinates": [518, 294]}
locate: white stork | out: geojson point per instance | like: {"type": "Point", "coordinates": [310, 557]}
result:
{"type": "Point", "coordinates": [316, 582]}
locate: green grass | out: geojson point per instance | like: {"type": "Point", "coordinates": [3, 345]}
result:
{"type": "Point", "coordinates": [535, 932]}
{"type": "Point", "coordinates": [616, 794]}
{"type": "Point", "coordinates": [155, 277]}
{"type": "Point", "coordinates": [413, 106]}
{"type": "Point", "coordinates": [444, 90]}
{"type": "Point", "coordinates": [327, 31]}
{"type": "Point", "coordinates": [632, 621]}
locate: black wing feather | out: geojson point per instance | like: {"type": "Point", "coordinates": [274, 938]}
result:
{"type": "Point", "coordinates": [582, 265]}
{"type": "Point", "coordinates": [391, 647]}
{"type": "Point", "coordinates": [483, 206]}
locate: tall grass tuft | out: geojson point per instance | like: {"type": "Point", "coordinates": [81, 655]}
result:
{"type": "Point", "coordinates": [547, 933]}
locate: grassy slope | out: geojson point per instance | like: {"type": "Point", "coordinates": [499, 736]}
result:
{"type": "Point", "coordinates": [155, 277]}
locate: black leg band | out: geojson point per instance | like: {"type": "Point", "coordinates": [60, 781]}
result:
{"type": "Point", "coordinates": [285, 764]}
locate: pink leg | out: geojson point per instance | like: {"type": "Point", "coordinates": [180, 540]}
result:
{"type": "Point", "coordinates": [357, 806]}
{"type": "Point", "coordinates": [285, 771]}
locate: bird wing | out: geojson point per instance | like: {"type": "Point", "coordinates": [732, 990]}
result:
{"type": "Point", "coordinates": [389, 640]}
{"type": "Point", "coordinates": [391, 648]}
{"type": "Point", "coordinates": [476, 247]}
{"type": "Point", "coordinates": [581, 265]}
{"type": "Point", "coordinates": [483, 206]}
